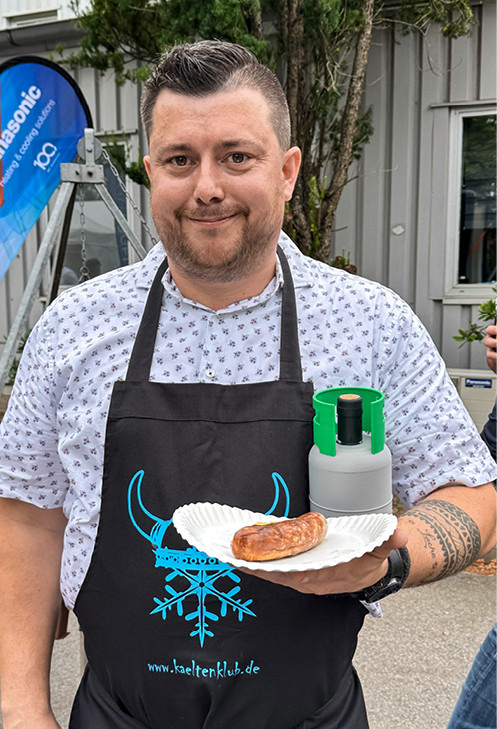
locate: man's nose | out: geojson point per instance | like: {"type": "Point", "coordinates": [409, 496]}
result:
{"type": "Point", "coordinates": [208, 183]}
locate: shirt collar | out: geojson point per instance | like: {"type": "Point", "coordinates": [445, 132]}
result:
{"type": "Point", "coordinates": [299, 266]}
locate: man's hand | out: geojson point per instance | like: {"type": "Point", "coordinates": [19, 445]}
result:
{"type": "Point", "coordinates": [490, 343]}
{"type": "Point", "coordinates": [343, 578]}
{"type": "Point", "coordinates": [445, 532]}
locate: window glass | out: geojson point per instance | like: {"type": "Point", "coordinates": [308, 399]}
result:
{"type": "Point", "coordinates": [478, 200]}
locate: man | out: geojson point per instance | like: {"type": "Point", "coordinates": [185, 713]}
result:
{"type": "Point", "coordinates": [190, 379]}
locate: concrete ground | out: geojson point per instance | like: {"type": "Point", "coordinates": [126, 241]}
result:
{"type": "Point", "coordinates": [412, 662]}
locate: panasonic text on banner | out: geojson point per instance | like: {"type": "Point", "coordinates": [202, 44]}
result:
{"type": "Point", "coordinates": [42, 117]}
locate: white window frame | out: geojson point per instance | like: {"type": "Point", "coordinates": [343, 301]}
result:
{"type": "Point", "coordinates": [455, 292]}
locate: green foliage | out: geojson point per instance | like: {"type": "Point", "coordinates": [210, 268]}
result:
{"type": "Point", "coordinates": [455, 17]}
{"type": "Point", "coordinates": [119, 151]}
{"type": "Point", "coordinates": [343, 262]}
{"type": "Point", "coordinates": [15, 362]}
{"type": "Point", "coordinates": [316, 195]}
{"type": "Point", "coordinates": [119, 33]}
{"type": "Point", "coordinates": [476, 332]}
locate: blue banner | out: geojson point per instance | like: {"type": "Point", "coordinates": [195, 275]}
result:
{"type": "Point", "coordinates": [42, 117]}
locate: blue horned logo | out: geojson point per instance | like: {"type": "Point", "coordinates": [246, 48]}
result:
{"type": "Point", "coordinates": [201, 572]}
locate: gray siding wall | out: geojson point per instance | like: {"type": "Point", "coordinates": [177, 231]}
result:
{"type": "Point", "coordinates": [393, 217]}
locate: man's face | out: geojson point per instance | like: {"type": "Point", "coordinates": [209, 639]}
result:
{"type": "Point", "coordinates": [219, 182]}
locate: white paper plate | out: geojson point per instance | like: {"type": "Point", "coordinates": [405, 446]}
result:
{"type": "Point", "coordinates": [210, 528]}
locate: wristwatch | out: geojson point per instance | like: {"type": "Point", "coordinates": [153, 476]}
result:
{"type": "Point", "coordinates": [399, 565]}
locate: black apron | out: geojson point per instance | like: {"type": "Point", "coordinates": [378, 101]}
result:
{"type": "Point", "coordinates": [175, 638]}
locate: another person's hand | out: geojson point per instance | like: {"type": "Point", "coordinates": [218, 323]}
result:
{"type": "Point", "coordinates": [343, 578]}
{"type": "Point", "coordinates": [490, 343]}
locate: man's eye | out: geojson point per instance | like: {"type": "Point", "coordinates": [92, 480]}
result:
{"type": "Point", "coordinates": [179, 161]}
{"type": "Point", "coordinates": [238, 157]}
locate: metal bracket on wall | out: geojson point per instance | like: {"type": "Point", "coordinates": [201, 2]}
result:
{"type": "Point", "coordinates": [71, 175]}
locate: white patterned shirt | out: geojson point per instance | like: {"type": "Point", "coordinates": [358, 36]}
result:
{"type": "Point", "coordinates": [353, 332]}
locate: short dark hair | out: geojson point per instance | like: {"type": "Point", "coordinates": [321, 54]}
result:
{"type": "Point", "coordinates": [206, 67]}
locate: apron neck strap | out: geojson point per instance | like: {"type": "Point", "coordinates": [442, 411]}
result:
{"type": "Point", "coordinates": [140, 361]}
{"type": "Point", "coordinates": [143, 349]}
{"type": "Point", "coordinates": [290, 365]}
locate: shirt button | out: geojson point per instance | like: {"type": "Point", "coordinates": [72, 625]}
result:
{"type": "Point", "coordinates": [210, 373]}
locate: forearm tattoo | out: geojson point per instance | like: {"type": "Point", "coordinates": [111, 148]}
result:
{"type": "Point", "coordinates": [450, 535]}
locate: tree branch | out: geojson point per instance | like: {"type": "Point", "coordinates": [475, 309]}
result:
{"type": "Point", "coordinates": [349, 123]}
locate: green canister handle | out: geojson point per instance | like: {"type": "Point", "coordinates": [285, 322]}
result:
{"type": "Point", "coordinates": [373, 421]}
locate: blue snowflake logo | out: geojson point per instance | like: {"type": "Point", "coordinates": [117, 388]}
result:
{"type": "Point", "coordinates": [201, 574]}
{"type": "Point", "coordinates": [197, 573]}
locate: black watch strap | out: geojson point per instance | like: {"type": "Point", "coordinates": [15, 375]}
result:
{"type": "Point", "coordinates": [399, 565]}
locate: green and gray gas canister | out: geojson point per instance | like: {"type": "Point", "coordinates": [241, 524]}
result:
{"type": "Point", "coordinates": [350, 467]}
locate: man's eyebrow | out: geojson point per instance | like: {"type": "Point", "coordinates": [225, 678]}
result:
{"type": "Point", "coordinates": [171, 148]}
{"type": "Point", "coordinates": [227, 144]}
{"type": "Point", "coordinates": [234, 143]}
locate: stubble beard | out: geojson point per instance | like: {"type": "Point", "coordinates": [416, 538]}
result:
{"type": "Point", "coordinates": [242, 257]}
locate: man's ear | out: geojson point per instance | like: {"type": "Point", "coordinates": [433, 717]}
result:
{"type": "Point", "coordinates": [146, 162]}
{"type": "Point", "coordinates": [290, 169]}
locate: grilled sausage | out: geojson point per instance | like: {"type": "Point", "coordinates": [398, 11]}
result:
{"type": "Point", "coordinates": [274, 540]}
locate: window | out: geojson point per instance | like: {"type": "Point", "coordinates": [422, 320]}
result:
{"type": "Point", "coordinates": [31, 18]}
{"type": "Point", "coordinates": [477, 212]}
{"type": "Point", "coordinates": [472, 202]}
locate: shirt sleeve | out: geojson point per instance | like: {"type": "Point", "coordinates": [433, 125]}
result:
{"type": "Point", "coordinates": [431, 435]}
{"type": "Point", "coordinates": [30, 467]}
